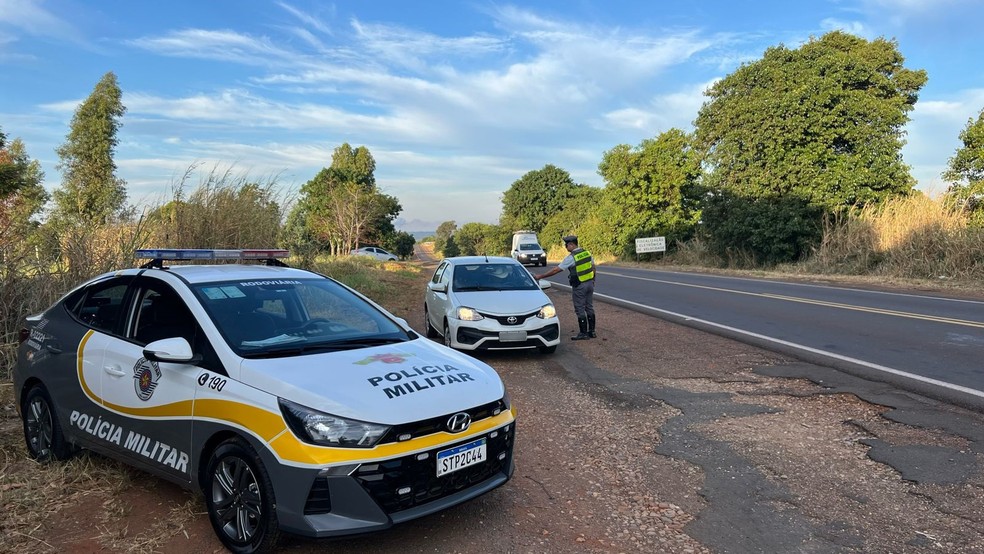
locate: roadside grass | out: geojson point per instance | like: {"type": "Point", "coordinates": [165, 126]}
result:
{"type": "Point", "coordinates": [32, 494]}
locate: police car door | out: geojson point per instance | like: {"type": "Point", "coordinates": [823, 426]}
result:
{"type": "Point", "coordinates": [152, 400]}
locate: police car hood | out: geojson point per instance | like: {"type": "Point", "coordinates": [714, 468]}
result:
{"type": "Point", "coordinates": [391, 384]}
{"type": "Point", "coordinates": [503, 302]}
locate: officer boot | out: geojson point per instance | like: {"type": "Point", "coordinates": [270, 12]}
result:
{"type": "Point", "coordinates": [591, 326]}
{"type": "Point", "coordinates": [582, 323]}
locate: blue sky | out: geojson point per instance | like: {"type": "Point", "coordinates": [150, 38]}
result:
{"type": "Point", "coordinates": [455, 100]}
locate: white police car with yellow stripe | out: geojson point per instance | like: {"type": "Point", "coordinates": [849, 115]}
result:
{"type": "Point", "coordinates": [292, 402]}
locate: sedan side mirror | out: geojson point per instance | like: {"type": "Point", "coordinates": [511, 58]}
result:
{"type": "Point", "coordinates": [544, 284]}
{"type": "Point", "coordinates": [438, 287]}
{"type": "Point", "coordinates": [175, 350]}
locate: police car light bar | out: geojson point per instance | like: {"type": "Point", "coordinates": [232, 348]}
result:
{"type": "Point", "coordinates": [209, 254]}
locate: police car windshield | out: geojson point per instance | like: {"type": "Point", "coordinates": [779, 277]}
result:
{"type": "Point", "coordinates": [293, 316]}
{"type": "Point", "coordinates": [491, 277]}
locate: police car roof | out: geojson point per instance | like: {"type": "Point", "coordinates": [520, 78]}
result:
{"type": "Point", "coordinates": [229, 272]}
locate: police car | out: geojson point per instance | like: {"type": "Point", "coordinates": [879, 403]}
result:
{"type": "Point", "coordinates": [292, 402]}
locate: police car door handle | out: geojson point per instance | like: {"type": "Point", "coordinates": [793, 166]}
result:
{"type": "Point", "coordinates": [52, 349]}
{"type": "Point", "coordinates": [114, 370]}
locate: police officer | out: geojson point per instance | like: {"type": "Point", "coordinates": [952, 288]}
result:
{"type": "Point", "coordinates": [581, 274]}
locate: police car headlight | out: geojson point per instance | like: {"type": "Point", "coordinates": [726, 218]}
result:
{"type": "Point", "coordinates": [547, 312]}
{"type": "Point", "coordinates": [468, 314]}
{"type": "Point", "coordinates": [328, 430]}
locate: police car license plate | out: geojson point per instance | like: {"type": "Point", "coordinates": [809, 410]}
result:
{"type": "Point", "coordinates": [460, 457]}
{"type": "Point", "coordinates": [512, 336]}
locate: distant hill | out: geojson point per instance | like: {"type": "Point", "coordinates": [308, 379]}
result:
{"type": "Point", "coordinates": [420, 235]}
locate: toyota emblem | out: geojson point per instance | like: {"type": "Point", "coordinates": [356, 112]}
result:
{"type": "Point", "coordinates": [511, 320]}
{"type": "Point", "coordinates": [459, 422]}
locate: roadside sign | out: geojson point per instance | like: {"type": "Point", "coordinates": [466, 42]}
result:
{"type": "Point", "coordinates": [651, 244]}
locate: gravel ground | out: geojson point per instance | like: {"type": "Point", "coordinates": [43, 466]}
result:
{"type": "Point", "coordinates": [652, 438]}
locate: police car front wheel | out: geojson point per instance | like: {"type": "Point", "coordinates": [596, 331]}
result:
{"type": "Point", "coordinates": [239, 498]}
{"type": "Point", "coordinates": [42, 432]}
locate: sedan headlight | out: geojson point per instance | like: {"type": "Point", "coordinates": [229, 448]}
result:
{"type": "Point", "coordinates": [327, 430]}
{"type": "Point", "coordinates": [547, 312]}
{"type": "Point", "coordinates": [468, 314]}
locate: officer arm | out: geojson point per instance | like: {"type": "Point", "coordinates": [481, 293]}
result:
{"type": "Point", "coordinates": [552, 271]}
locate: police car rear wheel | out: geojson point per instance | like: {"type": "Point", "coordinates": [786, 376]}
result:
{"type": "Point", "coordinates": [42, 432]}
{"type": "Point", "coordinates": [239, 498]}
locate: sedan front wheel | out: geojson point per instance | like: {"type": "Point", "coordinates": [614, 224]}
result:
{"type": "Point", "coordinates": [447, 335]}
{"type": "Point", "coordinates": [239, 498]}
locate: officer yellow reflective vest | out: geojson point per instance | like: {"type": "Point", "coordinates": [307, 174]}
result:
{"type": "Point", "coordinates": [583, 268]}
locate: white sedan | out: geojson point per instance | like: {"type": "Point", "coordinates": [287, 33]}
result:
{"type": "Point", "coordinates": [489, 303]}
{"type": "Point", "coordinates": [375, 252]}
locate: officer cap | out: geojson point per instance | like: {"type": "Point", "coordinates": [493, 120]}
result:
{"type": "Point", "coordinates": [570, 238]}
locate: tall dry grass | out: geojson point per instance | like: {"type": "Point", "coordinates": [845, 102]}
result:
{"type": "Point", "coordinates": [39, 264]}
{"type": "Point", "coordinates": [911, 238]}
{"type": "Point", "coordinates": [225, 209]}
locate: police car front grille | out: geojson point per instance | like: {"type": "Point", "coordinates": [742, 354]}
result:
{"type": "Point", "coordinates": [384, 481]}
{"type": "Point", "coordinates": [504, 319]}
{"type": "Point", "coordinates": [437, 424]}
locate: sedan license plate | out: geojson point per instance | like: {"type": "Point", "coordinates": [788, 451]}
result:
{"type": "Point", "coordinates": [460, 457]}
{"type": "Point", "coordinates": [512, 336]}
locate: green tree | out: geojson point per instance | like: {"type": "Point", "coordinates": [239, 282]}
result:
{"type": "Point", "coordinates": [91, 193]}
{"type": "Point", "coordinates": [536, 196]}
{"type": "Point", "coordinates": [965, 171]}
{"type": "Point", "coordinates": [571, 220]}
{"type": "Point", "coordinates": [653, 188]}
{"type": "Point", "coordinates": [400, 243]}
{"type": "Point", "coordinates": [443, 232]}
{"type": "Point", "coordinates": [482, 239]}
{"type": "Point", "coordinates": [21, 198]}
{"type": "Point", "coordinates": [823, 124]}
{"type": "Point", "coordinates": [451, 248]}
{"type": "Point", "coordinates": [342, 205]}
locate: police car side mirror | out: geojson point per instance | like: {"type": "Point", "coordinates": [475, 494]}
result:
{"type": "Point", "coordinates": [438, 287]}
{"type": "Point", "coordinates": [175, 350]}
{"type": "Point", "coordinates": [544, 284]}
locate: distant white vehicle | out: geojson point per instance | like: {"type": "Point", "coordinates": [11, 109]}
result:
{"type": "Point", "coordinates": [375, 252]}
{"type": "Point", "coordinates": [526, 249]}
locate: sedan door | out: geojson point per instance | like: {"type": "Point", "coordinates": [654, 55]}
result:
{"type": "Point", "coordinates": [436, 298]}
{"type": "Point", "coordinates": [152, 401]}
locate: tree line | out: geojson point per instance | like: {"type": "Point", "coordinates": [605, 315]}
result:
{"type": "Point", "coordinates": [780, 148]}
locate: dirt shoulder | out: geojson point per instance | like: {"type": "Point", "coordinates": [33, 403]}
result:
{"type": "Point", "coordinates": [652, 438]}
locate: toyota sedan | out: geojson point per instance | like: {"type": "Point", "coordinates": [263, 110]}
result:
{"type": "Point", "coordinates": [489, 303]}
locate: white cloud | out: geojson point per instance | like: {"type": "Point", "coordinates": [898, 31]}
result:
{"type": "Point", "coordinates": [307, 19]}
{"type": "Point", "coordinates": [852, 27]}
{"type": "Point", "coordinates": [222, 45]}
{"type": "Point", "coordinates": [29, 16]}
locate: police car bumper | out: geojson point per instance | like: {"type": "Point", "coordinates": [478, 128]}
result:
{"type": "Point", "coordinates": [489, 334]}
{"type": "Point", "coordinates": [371, 496]}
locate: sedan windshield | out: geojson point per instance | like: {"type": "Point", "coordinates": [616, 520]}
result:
{"type": "Point", "coordinates": [264, 318]}
{"type": "Point", "coordinates": [480, 277]}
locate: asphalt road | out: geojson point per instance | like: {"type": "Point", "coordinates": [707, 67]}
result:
{"type": "Point", "coordinates": [925, 343]}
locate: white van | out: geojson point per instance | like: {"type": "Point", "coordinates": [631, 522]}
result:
{"type": "Point", "coordinates": [526, 248]}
